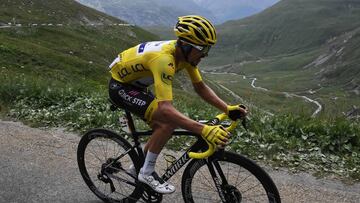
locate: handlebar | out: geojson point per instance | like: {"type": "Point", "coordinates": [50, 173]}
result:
{"type": "Point", "coordinates": [212, 147]}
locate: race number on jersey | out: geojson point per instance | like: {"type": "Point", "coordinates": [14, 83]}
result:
{"type": "Point", "coordinates": [151, 46]}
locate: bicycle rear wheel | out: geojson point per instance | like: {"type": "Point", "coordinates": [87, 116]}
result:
{"type": "Point", "coordinates": [104, 159]}
{"type": "Point", "coordinates": [239, 180]}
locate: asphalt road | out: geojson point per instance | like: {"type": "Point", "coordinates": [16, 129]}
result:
{"type": "Point", "coordinates": [39, 166]}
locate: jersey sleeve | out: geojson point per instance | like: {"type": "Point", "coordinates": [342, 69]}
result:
{"type": "Point", "coordinates": [163, 70]}
{"type": "Point", "coordinates": [194, 74]}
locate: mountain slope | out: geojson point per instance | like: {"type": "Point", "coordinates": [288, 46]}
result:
{"type": "Point", "coordinates": [302, 47]}
{"type": "Point", "coordinates": [61, 40]}
{"type": "Point", "coordinates": [65, 11]}
{"type": "Point", "coordinates": [290, 26]}
{"type": "Point", "coordinates": [321, 36]}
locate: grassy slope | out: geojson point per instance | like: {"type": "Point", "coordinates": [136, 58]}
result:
{"type": "Point", "coordinates": [290, 26]}
{"type": "Point", "coordinates": [38, 11]}
{"type": "Point", "coordinates": [75, 56]}
{"type": "Point", "coordinates": [66, 53]}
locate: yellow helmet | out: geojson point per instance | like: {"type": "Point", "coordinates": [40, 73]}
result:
{"type": "Point", "coordinates": [196, 30]}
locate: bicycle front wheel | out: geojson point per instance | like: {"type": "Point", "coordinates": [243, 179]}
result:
{"type": "Point", "coordinates": [228, 178]}
{"type": "Point", "coordinates": [104, 160]}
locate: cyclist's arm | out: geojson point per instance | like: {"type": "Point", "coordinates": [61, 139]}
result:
{"type": "Point", "coordinates": [206, 93]}
{"type": "Point", "coordinates": [203, 90]}
{"type": "Point", "coordinates": [163, 74]}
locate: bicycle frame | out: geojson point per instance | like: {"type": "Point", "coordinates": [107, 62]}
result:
{"type": "Point", "coordinates": [213, 162]}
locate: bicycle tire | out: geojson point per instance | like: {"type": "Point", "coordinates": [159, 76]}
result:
{"type": "Point", "coordinates": [197, 174]}
{"type": "Point", "coordinates": [107, 166]}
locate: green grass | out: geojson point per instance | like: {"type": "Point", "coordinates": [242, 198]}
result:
{"type": "Point", "coordinates": [75, 52]}
{"type": "Point", "coordinates": [303, 144]}
{"type": "Point", "coordinates": [297, 142]}
{"type": "Point", "coordinates": [64, 53]}
{"type": "Point", "coordinates": [51, 11]}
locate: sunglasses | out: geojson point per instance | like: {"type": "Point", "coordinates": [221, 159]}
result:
{"type": "Point", "coordinates": [203, 49]}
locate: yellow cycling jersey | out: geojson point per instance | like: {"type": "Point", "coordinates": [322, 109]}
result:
{"type": "Point", "coordinates": [151, 63]}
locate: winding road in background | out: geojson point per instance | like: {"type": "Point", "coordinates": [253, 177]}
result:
{"type": "Point", "coordinates": [253, 80]}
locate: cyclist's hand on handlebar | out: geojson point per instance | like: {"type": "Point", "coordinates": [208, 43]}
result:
{"type": "Point", "coordinates": [236, 111]}
{"type": "Point", "coordinates": [215, 135]}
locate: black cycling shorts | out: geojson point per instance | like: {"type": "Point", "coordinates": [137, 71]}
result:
{"type": "Point", "coordinates": [132, 98]}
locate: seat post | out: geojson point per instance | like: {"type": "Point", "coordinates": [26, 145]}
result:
{"type": "Point", "coordinates": [133, 132]}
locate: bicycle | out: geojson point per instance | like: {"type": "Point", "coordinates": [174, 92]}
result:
{"type": "Point", "coordinates": [111, 181]}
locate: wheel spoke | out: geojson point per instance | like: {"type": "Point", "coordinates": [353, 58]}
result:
{"type": "Point", "coordinates": [91, 150]}
{"type": "Point", "coordinates": [207, 183]}
{"type": "Point", "coordinates": [249, 189]}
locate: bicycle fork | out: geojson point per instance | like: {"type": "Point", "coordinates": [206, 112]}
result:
{"type": "Point", "coordinates": [219, 181]}
{"type": "Point", "coordinates": [226, 192]}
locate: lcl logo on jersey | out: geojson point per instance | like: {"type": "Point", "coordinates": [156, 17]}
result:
{"type": "Point", "coordinates": [123, 72]}
{"type": "Point", "coordinates": [134, 68]}
{"type": "Point", "coordinates": [138, 67]}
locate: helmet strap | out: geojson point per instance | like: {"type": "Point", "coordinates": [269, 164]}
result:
{"type": "Point", "coordinates": [185, 50]}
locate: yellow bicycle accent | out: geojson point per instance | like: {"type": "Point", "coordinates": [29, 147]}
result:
{"type": "Point", "coordinates": [212, 147]}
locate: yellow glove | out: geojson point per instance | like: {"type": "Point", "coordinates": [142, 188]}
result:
{"type": "Point", "coordinates": [236, 111]}
{"type": "Point", "coordinates": [215, 134]}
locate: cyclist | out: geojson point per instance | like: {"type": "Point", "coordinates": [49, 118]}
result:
{"type": "Point", "coordinates": [156, 63]}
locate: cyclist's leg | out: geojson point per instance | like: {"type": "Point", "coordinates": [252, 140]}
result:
{"type": "Point", "coordinates": [143, 104]}
{"type": "Point", "coordinates": [161, 134]}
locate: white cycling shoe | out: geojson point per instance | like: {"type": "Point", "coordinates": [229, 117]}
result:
{"type": "Point", "coordinates": [156, 183]}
